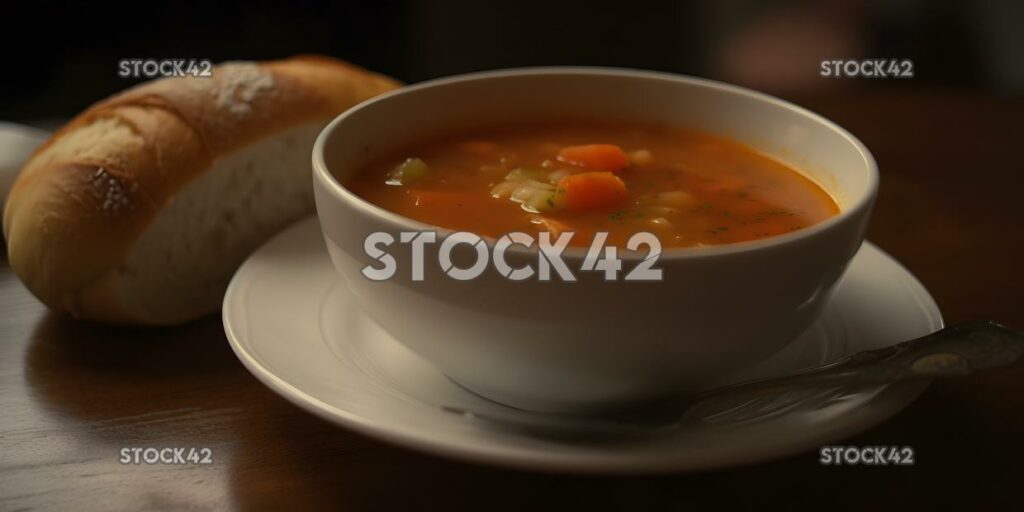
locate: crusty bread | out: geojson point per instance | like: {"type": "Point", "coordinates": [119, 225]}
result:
{"type": "Point", "coordinates": [140, 208]}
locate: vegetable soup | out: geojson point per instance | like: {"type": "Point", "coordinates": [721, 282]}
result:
{"type": "Point", "coordinates": [689, 188]}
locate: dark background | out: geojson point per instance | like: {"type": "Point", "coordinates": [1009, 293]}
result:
{"type": "Point", "coordinates": [62, 56]}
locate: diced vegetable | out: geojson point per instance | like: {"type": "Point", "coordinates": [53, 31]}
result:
{"type": "Point", "coordinates": [592, 190]}
{"type": "Point", "coordinates": [407, 171]}
{"type": "Point", "coordinates": [526, 173]}
{"type": "Point", "coordinates": [505, 188]}
{"type": "Point", "coordinates": [533, 195]}
{"type": "Point", "coordinates": [527, 187]}
{"type": "Point", "coordinates": [641, 157]}
{"type": "Point", "coordinates": [536, 196]}
{"type": "Point", "coordinates": [541, 202]}
{"type": "Point", "coordinates": [599, 157]}
{"type": "Point", "coordinates": [556, 176]}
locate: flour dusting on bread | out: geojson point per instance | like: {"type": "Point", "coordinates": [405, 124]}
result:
{"type": "Point", "coordinates": [239, 84]}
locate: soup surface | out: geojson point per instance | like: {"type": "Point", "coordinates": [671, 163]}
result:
{"type": "Point", "coordinates": [688, 188]}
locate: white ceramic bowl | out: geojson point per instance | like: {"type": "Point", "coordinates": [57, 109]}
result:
{"type": "Point", "coordinates": [592, 344]}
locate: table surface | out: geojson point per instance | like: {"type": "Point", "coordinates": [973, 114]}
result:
{"type": "Point", "coordinates": [72, 395]}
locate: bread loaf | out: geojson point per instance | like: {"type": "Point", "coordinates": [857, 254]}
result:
{"type": "Point", "coordinates": [139, 210]}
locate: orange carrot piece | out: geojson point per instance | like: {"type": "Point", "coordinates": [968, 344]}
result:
{"type": "Point", "coordinates": [599, 157]}
{"type": "Point", "coordinates": [591, 190]}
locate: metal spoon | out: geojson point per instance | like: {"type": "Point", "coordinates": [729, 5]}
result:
{"type": "Point", "coordinates": [954, 351]}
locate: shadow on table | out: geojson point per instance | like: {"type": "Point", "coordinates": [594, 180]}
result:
{"type": "Point", "coordinates": [183, 386]}
{"type": "Point", "coordinates": [316, 469]}
{"type": "Point", "coordinates": [174, 385]}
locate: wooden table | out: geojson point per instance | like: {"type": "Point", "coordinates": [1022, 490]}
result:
{"type": "Point", "coordinates": [72, 395]}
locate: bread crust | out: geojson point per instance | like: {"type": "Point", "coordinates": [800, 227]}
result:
{"type": "Point", "coordinates": [88, 193]}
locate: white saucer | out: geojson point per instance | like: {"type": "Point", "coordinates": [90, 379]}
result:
{"type": "Point", "coordinates": [294, 324]}
{"type": "Point", "coordinates": [17, 142]}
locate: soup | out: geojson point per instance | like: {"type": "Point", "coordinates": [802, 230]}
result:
{"type": "Point", "coordinates": [687, 187]}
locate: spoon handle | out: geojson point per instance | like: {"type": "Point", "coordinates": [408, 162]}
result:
{"type": "Point", "coordinates": [954, 351]}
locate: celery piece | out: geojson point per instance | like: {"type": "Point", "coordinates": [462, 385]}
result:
{"type": "Point", "coordinates": [541, 201]}
{"type": "Point", "coordinates": [409, 170]}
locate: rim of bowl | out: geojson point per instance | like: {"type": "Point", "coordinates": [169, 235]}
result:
{"type": "Point", "coordinates": [403, 223]}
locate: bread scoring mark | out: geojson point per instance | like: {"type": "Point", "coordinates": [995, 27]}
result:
{"type": "Point", "coordinates": [115, 198]}
{"type": "Point", "coordinates": [238, 84]}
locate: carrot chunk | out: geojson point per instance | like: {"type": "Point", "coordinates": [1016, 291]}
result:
{"type": "Point", "coordinates": [591, 190]}
{"type": "Point", "coordinates": [599, 157]}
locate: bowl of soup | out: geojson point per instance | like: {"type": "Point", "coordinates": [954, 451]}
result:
{"type": "Point", "coordinates": [580, 239]}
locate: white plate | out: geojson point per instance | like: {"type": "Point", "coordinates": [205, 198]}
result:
{"type": "Point", "coordinates": [17, 143]}
{"type": "Point", "coordinates": [295, 325]}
